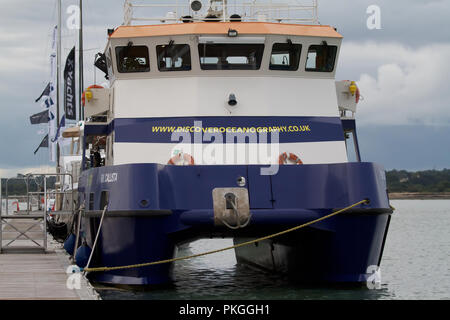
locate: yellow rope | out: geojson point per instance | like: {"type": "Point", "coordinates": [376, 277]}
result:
{"type": "Point", "coordinates": [102, 269]}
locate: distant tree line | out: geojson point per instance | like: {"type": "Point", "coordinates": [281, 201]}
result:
{"type": "Point", "coordinates": [429, 181]}
{"type": "Point", "coordinates": [397, 181]}
{"type": "Point", "coordinates": [18, 186]}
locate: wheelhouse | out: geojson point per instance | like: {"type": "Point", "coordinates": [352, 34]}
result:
{"type": "Point", "coordinates": [265, 49]}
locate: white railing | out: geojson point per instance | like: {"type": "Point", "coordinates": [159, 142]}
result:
{"type": "Point", "coordinates": [221, 10]}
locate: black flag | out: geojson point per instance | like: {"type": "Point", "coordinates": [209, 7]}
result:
{"type": "Point", "coordinates": [41, 117]}
{"type": "Point", "coordinates": [46, 91]}
{"type": "Point", "coordinates": [69, 87]}
{"type": "Point", "coordinates": [44, 144]}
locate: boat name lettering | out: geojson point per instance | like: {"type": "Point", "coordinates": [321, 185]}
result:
{"type": "Point", "coordinates": [109, 177]}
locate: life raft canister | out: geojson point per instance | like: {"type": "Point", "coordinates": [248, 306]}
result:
{"type": "Point", "coordinates": [182, 159]}
{"type": "Point", "coordinates": [284, 158]}
{"type": "Point", "coordinates": [88, 93]}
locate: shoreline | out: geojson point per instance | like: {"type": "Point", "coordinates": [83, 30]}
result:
{"type": "Point", "coordinates": [419, 196]}
{"type": "Point", "coordinates": [392, 196]}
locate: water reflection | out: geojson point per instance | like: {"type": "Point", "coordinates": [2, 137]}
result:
{"type": "Point", "coordinates": [218, 277]}
{"type": "Point", "coordinates": [415, 266]}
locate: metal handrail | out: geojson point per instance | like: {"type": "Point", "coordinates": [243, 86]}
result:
{"type": "Point", "coordinates": [268, 11]}
{"type": "Point", "coordinates": [6, 190]}
{"type": "Point", "coordinates": [54, 192]}
{"type": "Point", "coordinates": [26, 178]}
{"type": "Point", "coordinates": [44, 216]}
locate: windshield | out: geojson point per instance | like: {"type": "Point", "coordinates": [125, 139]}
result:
{"type": "Point", "coordinates": [132, 59]}
{"type": "Point", "coordinates": [285, 56]}
{"type": "Point", "coordinates": [174, 57]}
{"type": "Point", "coordinates": [215, 56]}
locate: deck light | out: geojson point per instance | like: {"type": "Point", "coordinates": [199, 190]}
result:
{"type": "Point", "coordinates": [232, 33]}
{"type": "Point", "coordinates": [232, 100]}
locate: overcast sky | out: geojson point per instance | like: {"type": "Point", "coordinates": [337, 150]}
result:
{"type": "Point", "coordinates": [402, 69]}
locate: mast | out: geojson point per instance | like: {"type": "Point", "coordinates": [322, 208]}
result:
{"type": "Point", "coordinates": [81, 80]}
{"type": "Point", "coordinates": [58, 78]}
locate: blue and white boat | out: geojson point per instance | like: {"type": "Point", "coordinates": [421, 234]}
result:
{"type": "Point", "coordinates": [227, 121]}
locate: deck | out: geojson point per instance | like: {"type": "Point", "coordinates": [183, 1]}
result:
{"type": "Point", "coordinates": [28, 272]}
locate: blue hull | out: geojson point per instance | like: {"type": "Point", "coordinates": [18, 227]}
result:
{"type": "Point", "coordinates": [341, 254]}
{"type": "Point", "coordinates": [152, 208]}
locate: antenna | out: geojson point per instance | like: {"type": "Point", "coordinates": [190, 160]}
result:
{"type": "Point", "coordinates": [58, 79]}
{"type": "Point", "coordinates": [81, 58]}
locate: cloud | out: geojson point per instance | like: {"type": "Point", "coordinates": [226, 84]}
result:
{"type": "Point", "coordinates": [11, 173]}
{"type": "Point", "coordinates": [404, 85]}
{"type": "Point", "coordinates": [412, 22]}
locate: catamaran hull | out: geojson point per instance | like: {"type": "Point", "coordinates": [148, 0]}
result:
{"type": "Point", "coordinates": [348, 252]}
{"type": "Point", "coordinates": [153, 208]}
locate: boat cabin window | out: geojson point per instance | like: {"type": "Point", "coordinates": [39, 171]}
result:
{"type": "Point", "coordinates": [132, 59]}
{"type": "Point", "coordinates": [215, 56]}
{"type": "Point", "coordinates": [285, 56]}
{"type": "Point", "coordinates": [174, 57]}
{"type": "Point", "coordinates": [321, 58]}
{"type": "Point", "coordinates": [104, 199]}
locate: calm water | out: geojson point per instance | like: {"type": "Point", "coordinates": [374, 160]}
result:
{"type": "Point", "coordinates": [416, 265]}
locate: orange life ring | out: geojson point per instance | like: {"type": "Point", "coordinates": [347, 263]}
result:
{"type": "Point", "coordinates": [183, 158]}
{"type": "Point", "coordinates": [284, 158]}
{"type": "Point", "coordinates": [83, 97]}
{"type": "Point", "coordinates": [17, 204]}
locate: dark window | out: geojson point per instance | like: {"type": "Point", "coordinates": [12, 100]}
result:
{"type": "Point", "coordinates": [174, 57]}
{"type": "Point", "coordinates": [104, 199]}
{"type": "Point", "coordinates": [230, 56]}
{"type": "Point", "coordinates": [285, 56]}
{"type": "Point", "coordinates": [91, 201]}
{"type": "Point", "coordinates": [132, 59]}
{"type": "Point", "coordinates": [321, 58]}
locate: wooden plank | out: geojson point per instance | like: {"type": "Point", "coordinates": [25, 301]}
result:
{"type": "Point", "coordinates": [33, 276]}
{"type": "Point", "coordinates": [40, 275]}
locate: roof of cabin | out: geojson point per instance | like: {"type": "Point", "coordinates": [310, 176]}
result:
{"type": "Point", "coordinates": [257, 28]}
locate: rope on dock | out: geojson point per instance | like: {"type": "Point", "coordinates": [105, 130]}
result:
{"type": "Point", "coordinates": [103, 269]}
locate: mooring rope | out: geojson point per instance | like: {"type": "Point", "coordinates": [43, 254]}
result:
{"type": "Point", "coordinates": [96, 238]}
{"type": "Point", "coordinates": [103, 269]}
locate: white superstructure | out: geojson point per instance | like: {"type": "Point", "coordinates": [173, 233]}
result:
{"type": "Point", "coordinates": [224, 77]}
